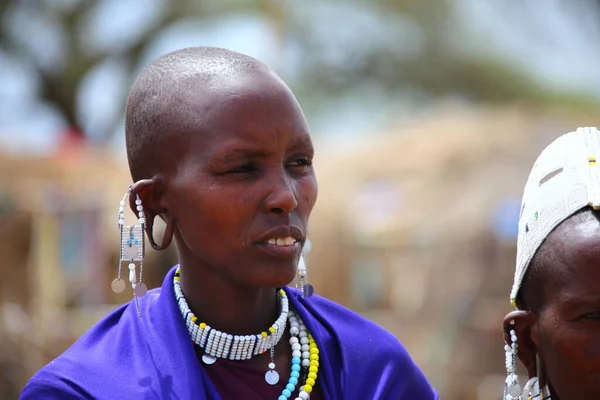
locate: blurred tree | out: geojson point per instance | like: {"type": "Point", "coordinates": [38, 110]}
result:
{"type": "Point", "coordinates": [426, 58]}
{"type": "Point", "coordinates": [59, 84]}
{"type": "Point", "coordinates": [392, 46]}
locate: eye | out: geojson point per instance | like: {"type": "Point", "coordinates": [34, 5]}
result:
{"type": "Point", "coordinates": [242, 169]}
{"type": "Point", "coordinates": [301, 162]}
{"type": "Point", "coordinates": [593, 315]}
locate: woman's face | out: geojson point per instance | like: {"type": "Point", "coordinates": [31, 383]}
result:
{"type": "Point", "coordinates": [566, 333]}
{"type": "Point", "coordinates": [244, 186]}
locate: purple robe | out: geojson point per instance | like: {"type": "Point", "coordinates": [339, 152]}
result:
{"type": "Point", "coordinates": [125, 357]}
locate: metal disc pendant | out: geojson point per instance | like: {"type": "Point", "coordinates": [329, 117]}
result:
{"type": "Point", "coordinates": [118, 285]}
{"type": "Point", "coordinates": [272, 377]}
{"type": "Point", "coordinates": [308, 290]}
{"type": "Point", "coordinates": [140, 290]}
{"type": "Point", "coordinates": [208, 359]}
{"type": "Point", "coordinates": [514, 390]}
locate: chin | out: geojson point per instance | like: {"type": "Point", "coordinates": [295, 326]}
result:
{"type": "Point", "coordinates": [277, 277]}
{"type": "Point", "coordinates": [277, 283]}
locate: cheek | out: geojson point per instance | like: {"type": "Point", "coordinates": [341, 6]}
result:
{"type": "Point", "coordinates": [248, 200]}
{"type": "Point", "coordinates": [580, 350]}
{"type": "Point", "coordinates": [308, 191]}
{"type": "Point", "coordinates": [585, 340]}
{"type": "Point", "coordinates": [591, 351]}
{"type": "Point", "coordinates": [210, 216]}
{"type": "Point", "coordinates": [571, 355]}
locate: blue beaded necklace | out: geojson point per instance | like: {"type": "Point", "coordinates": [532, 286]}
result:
{"type": "Point", "coordinates": [305, 360]}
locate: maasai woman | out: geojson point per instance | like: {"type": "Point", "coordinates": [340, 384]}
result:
{"type": "Point", "coordinates": [555, 329]}
{"type": "Point", "coordinates": [219, 149]}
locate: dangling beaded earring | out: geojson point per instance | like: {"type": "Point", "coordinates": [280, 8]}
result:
{"type": "Point", "coordinates": [532, 389]}
{"type": "Point", "coordinates": [301, 281]}
{"type": "Point", "coordinates": [132, 249]}
{"type": "Point", "coordinates": [544, 394]}
{"type": "Point", "coordinates": [512, 389]}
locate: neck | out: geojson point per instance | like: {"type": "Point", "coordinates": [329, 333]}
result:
{"type": "Point", "coordinates": [225, 305]}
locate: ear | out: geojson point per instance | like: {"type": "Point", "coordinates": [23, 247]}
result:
{"type": "Point", "coordinates": [522, 323]}
{"type": "Point", "coordinates": [149, 192]}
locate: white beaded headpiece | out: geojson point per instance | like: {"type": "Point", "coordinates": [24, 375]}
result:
{"type": "Point", "coordinates": [564, 179]}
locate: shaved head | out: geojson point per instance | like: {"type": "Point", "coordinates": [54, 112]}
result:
{"type": "Point", "coordinates": [221, 151]}
{"type": "Point", "coordinates": [170, 96]}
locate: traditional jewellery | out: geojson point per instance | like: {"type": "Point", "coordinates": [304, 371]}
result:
{"type": "Point", "coordinates": [217, 344]}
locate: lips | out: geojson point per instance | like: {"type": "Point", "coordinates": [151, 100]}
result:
{"type": "Point", "coordinates": [283, 242]}
{"type": "Point", "coordinates": [283, 235]}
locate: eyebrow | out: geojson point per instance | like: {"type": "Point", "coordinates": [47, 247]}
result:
{"type": "Point", "coordinates": [252, 151]}
{"type": "Point", "coordinates": [238, 153]}
{"type": "Point", "coordinates": [570, 302]}
{"type": "Point", "coordinates": [304, 141]}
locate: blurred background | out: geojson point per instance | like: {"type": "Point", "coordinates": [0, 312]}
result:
{"type": "Point", "coordinates": [427, 116]}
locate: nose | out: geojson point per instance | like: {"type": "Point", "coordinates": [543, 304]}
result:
{"type": "Point", "coordinates": [281, 198]}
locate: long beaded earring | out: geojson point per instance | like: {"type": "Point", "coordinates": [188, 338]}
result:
{"type": "Point", "coordinates": [532, 389]}
{"type": "Point", "coordinates": [301, 281]}
{"type": "Point", "coordinates": [512, 389]}
{"type": "Point", "coordinates": [132, 249]}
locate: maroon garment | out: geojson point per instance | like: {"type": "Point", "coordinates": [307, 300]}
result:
{"type": "Point", "coordinates": [235, 381]}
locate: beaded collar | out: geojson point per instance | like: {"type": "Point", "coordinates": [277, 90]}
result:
{"type": "Point", "coordinates": [217, 344]}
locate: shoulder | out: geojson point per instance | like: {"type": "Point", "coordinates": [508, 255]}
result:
{"type": "Point", "coordinates": [49, 386]}
{"type": "Point", "coordinates": [379, 361]}
{"type": "Point", "coordinates": [102, 355]}
{"type": "Point", "coordinates": [357, 330]}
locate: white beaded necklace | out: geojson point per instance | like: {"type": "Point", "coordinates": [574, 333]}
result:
{"type": "Point", "coordinates": [217, 344]}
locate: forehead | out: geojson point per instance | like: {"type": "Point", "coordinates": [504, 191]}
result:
{"type": "Point", "coordinates": [257, 108]}
{"type": "Point", "coordinates": [573, 269]}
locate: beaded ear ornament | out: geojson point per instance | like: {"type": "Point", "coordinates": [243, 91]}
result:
{"type": "Point", "coordinates": [301, 280]}
{"type": "Point", "coordinates": [132, 248]}
{"type": "Point", "coordinates": [512, 388]}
